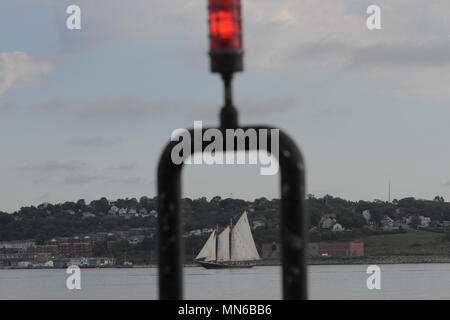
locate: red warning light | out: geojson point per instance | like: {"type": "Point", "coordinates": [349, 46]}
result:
{"type": "Point", "coordinates": [225, 25]}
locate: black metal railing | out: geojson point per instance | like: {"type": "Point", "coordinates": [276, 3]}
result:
{"type": "Point", "coordinates": [293, 211]}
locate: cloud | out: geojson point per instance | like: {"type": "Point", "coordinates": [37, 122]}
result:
{"type": "Point", "coordinates": [406, 55]}
{"type": "Point", "coordinates": [97, 142]}
{"type": "Point", "coordinates": [133, 108]}
{"type": "Point", "coordinates": [323, 113]}
{"type": "Point", "coordinates": [54, 106]}
{"type": "Point", "coordinates": [114, 20]}
{"type": "Point", "coordinates": [125, 167]}
{"type": "Point", "coordinates": [54, 166]}
{"type": "Point", "coordinates": [129, 181]}
{"type": "Point", "coordinates": [288, 35]}
{"type": "Point", "coordinates": [246, 106]}
{"type": "Point", "coordinates": [80, 179]}
{"type": "Point", "coordinates": [431, 54]}
{"type": "Point", "coordinates": [274, 30]}
{"type": "Point", "coordinates": [269, 105]}
{"type": "Point", "coordinates": [122, 108]}
{"type": "Point", "coordinates": [18, 69]}
{"type": "Point", "coordinates": [333, 34]}
{"type": "Point", "coordinates": [6, 106]}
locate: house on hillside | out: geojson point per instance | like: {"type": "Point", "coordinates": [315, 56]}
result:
{"type": "Point", "coordinates": [366, 215]}
{"type": "Point", "coordinates": [327, 222]}
{"type": "Point", "coordinates": [337, 228]}
{"type": "Point", "coordinates": [387, 223]}
{"type": "Point", "coordinates": [258, 224]}
{"type": "Point", "coordinates": [424, 221]}
{"type": "Point", "coordinates": [134, 240]}
{"type": "Point", "coordinates": [113, 210]}
{"type": "Point", "coordinates": [195, 233]}
{"type": "Point", "coordinates": [153, 213]}
{"type": "Point", "coordinates": [87, 215]}
{"type": "Point", "coordinates": [207, 230]}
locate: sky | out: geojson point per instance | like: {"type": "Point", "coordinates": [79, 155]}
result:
{"type": "Point", "coordinates": [85, 113]}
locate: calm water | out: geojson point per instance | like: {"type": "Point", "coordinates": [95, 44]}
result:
{"type": "Point", "coordinates": [415, 281]}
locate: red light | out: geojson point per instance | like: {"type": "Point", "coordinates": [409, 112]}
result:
{"type": "Point", "coordinates": [221, 23]}
{"type": "Point", "coordinates": [225, 24]}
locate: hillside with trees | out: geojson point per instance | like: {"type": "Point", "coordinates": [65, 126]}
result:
{"type": "Point", "coordinates": [330, 219]}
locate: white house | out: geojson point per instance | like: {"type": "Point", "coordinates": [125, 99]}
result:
{"type": "Point", "coordinates": [113, 210]}
{"type": "Point", "coordinates": [196, 232]}
{"type": "Point", "coordinates": [49, 264]}
{"type": "Point", "coordinates": [24, 264]}
{"type": "Point", "coordinates": [424, 221]}
{"type": "Point", "coordinates": [366, 215]}
{"type": "Point", "coordinates": [134, 240]}
{"type": "Point", "coordinates": [337, 228]}
{"type": "Point", "coordinates": [327, 222]}
{"type": "Point", "coordinates": [207, 230]}
{"type": "Point", "coordinates": [258, 224]}
{"type": "Point", "coordinates": [387, 223]}
{"type": "Point", "coordinates": [88, 215]}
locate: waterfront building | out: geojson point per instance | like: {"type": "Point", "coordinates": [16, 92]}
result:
{"type": "Point", "coordinates": [336, 249]}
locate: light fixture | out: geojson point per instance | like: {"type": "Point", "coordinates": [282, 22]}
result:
{"type": "Point", "coordinates": [225, 36]}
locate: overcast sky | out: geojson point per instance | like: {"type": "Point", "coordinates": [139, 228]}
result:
{"type": "Point", "coordinates": [85, 113]}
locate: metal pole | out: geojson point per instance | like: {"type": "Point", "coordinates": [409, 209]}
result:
{"type": "Point", "coordinates": [170, 247]}
{"type": "Point", "coordinates": [293, 221]}
{"type": "Point", "coordinates": [228, 114]}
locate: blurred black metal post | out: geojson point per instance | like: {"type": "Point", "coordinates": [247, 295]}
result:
{"type": "Point", "coordinates": [226, 58]}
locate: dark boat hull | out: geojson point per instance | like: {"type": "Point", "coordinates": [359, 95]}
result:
{"type": "Point", "coordinates": [216, 265]}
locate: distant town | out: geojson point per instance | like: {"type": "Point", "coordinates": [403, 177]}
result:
{"type": "Point", "coordinates": [122, 233]}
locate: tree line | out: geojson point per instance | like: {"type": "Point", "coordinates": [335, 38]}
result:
{"type": "Point", "coordinates": [66, 219]}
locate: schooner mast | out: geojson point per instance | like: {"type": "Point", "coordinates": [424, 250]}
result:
{"type": "Point", "coordinates": [233, 245]}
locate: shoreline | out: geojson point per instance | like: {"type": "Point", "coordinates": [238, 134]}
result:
{"type": "Point", "coordinates": [370, 260]}
{"type": "Point", "coordinates": [311, 261]}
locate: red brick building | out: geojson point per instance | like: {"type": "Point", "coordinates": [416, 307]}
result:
{"type": "Point", "coordinates": [48, 250]}
{"type": "Point", "coordinates": [337, 249]}
{"type": "Point", "coordinates": [271, 250]}
{"type": "Point", "coordinates": [75, 249]}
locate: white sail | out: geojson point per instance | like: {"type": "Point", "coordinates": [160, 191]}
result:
{"type": "Point", "coordinates": [208, 251]}
{"type": "Point", "coordinates": [223, 245]}
{"type": "Point", "coordinates": [242, 244]}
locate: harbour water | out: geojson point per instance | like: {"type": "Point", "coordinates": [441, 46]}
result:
{"type": "Point", "coordinates": [399, 281]}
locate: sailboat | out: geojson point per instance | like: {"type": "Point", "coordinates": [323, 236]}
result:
{"type": "Point", "coordinates": [234, 247]}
